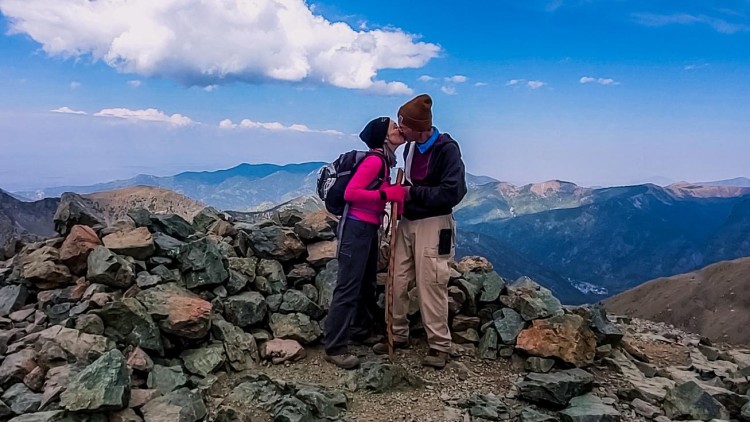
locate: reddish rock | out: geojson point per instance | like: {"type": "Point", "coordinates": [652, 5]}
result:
{"type": "Point", "coordinates": [280, 351]}
{"type": "Point", "coordinates": [179, 311]}
{"type": "Point", "coordinates": [35, 379]}
{"type": "Point", "coordinates": [567, 337]}
{"type": "Point", "coordinates": [16, 366]}
{"type": "Point", "coordinates": [55, 383]}
{"type": "Point", "coordinates": [139, 360]}
{"type": "Point", "coordinates": [77, 247]}
{"type": "Point", "coordinates": [139, 397]}
{"type": "Point", "coordinates": [474, 264]}
{"type": "Point", "coordinates": [125, 415]}
{"type": "Point", "coordinates": [223, 229]}
{"type": "Point", "coordinates": [101, 299]}
{"type": "Point", "coordinates": [137, 243]}
{"type": "Point", "coordinates": [322, 252]}
{"type": "Point", "coordinates": [44, 268]}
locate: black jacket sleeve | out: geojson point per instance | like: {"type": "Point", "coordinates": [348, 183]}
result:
{"type": "Point", "coordinates": [452, 186]}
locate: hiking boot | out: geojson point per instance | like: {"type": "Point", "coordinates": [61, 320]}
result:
{"type": "Point", "coordinates": [435, 359]}
{"type": "Point", "coordinates": [345, 361]}
{"type": "Point", "coordinates": [382, 348]}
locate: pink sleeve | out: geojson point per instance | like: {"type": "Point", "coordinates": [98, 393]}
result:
{"type": "Point", "coordinates": [367, 172]}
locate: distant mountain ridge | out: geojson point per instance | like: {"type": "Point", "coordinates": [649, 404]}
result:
{"type": "Point", "coordinates": [240, 188]}
{"type": "Point", "coordinates": [742, 182]}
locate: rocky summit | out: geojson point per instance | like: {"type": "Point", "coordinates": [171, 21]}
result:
{"type": "Point", "coordinates": [156, 318]}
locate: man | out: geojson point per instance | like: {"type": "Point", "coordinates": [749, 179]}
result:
{"type": "Point", "coordinates": [436, 182]}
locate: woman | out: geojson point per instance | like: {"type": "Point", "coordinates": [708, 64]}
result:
{"type": "Point", "coordinates": [359, 246]}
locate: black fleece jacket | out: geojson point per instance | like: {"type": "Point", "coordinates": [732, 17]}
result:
{"type": "Point", "coordinates": [444, 186]}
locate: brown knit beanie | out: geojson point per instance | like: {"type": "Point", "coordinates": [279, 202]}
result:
{"type": "Point", "coordinates": [417, 113]}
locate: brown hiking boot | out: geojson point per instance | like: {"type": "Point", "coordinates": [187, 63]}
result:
{"type": "Point", "coordinates": [382, 348]}
{"type": "Point", "coordinates": [345, 361]}
{"type": "Point", "coordinates": [435, 359]}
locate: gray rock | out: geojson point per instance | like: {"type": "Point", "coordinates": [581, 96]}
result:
{"type": "Point", "coordinates": [274, 302]}
{"type": "Point", "coordinates": [311, 292]}
{"type": "Point", "coordinates": [201, 264]}
{"type": "Point", "coordinates": [16, 366]}
{"type": "Point", "coordinates": [296, 327]}
{"type": "Point", "coordinates": [172, 225]}
{"type": "Point", "coordinates": [709, 352]}
{"type": "Point", "coordinates": [491, 283]}
{"type": "Point", "coordinates": [556, 388]}
{"type": "Point", "coordinates": [167, 275]}
{"type": "Point", "coordinates": [240, 347]}
{"type": "Point", "coordinates": [5, 411]}
{"type": "Point", "coordinates": [486, 407]}
{"type": "Point", "coordinates": [274, 242]}
{"type": "Point", "coordinates": [746, 412]}
{"type": "Point", "coordinates": [463, 323]}
{"type": "Point", "coordinates": [273, 272]}
{"type": "Point", "coordinates": [296, 301]}
{"type": "Point", "coordinates": [166, 245]}
{"type": "Point", "coordinates": [245, 309]}
{"type": "Point", "coordinates": [326, 283]}
{"type": "Point", "coordinates": [508, 324]}
{"type": "Point", "coordinates": [145, 280]}
{"type": "Point", "coordinates": [381, 377]}
{"type": "Point", "coordinates": [690, 400]}
{"type": "Point", "coordinates": [530, 415]}
{"type": "Point", "coordinates": [645, 409]}
{"type": "Point", "coordinates": [488, 345]}
{"type": "Point", "coordinates": [241, 272]}
{"type": "Point", "coordinates": [49, 416]}
{"type": "Point", "coordinates": [204, 360]}
{"type": "Point", "coordinates": [316, 226]}
{"type": "Point", "coordinates": [166, 379]}
{"type": "Point", "coordinates": [90, 324]}
{"type": "Point", "coordinates": [465, 337]}
{"type": "Point", "coordinates": [103, 385]}
{"type": "Point", "coordinates": [44, 269]}
{"type": "Point", "coordinates": [606, 332]}
{"type": "Point", "coordinates": [12, 298]}
{"type": "Point", "coordinates": [300, 274]}
{"type": "Point", "coordinates": [75, 209]}
{"type": "Point", "coordinates": [539, 365]}
{"type": "Point", "coordinates": [589, 408]}
{"type": "Point", "coordinates": [106, 268]}
{"type": "Point", "coordinates": [205, 218]}
{"type": "Point", "coordinates": [182, 405]}
{"type": "Point", "coordinates": [532, 301]}
{"type": "Point", "coordinates": [127, 321]}
{"type": "Point", "coordinates": [22, 400]}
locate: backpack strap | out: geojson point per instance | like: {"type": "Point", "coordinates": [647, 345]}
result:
{"type": "Point", "coordinates": [375, 184]}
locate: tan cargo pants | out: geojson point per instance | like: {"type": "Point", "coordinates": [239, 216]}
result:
{"type": "Point", "coordinates": [418, 261]}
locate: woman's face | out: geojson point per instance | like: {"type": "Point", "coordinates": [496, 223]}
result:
{"type": "Point", "coordinates": [395, 137]}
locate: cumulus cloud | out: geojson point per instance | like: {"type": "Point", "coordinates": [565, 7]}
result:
{"type": "Point", "coordinates": [75, 85]}
{"type": "Point", "coordinates": [147, 115]}
{"type": "Point", "coordinates": [448, 90]}
{"type": "Point", "coordinates": [480, 84]}
{"type": "Point", "coordinates": [524, 82]}
{"type": "Point", "coordinates": [134, 83]}
{"type": "Point", "coordinates": [600, 81]}
{"type": "Point", "coordinates": [457, 79]}
{"type": "Point", "coordinates": [718, 24]}
{"type": "Point", "coordinates": [514, 82]}
{"type": "Point", "coordinates": [210, 88]}
{"type": "Point", "coordinates": [67, 110]}
{"type": "Point", "coordinates": [390, 88]}
{"type": "Point", "coordinates": [213, 42]}
{"type": "Point", "coordinates": [274, 126]}
{"type": "Point", "coordinates": [426, 78]}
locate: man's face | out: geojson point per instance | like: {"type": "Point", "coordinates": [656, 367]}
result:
{"type": "Point", "coordinates": [409, 133]}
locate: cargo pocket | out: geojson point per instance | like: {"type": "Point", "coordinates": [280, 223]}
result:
{"type": "Point", "coordinates": [436, 268]}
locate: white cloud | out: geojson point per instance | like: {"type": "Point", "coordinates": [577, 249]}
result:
{"type": "Point", "coordinates": [210, 88]}
{"type": "Point", "coordinates": [390, 88]}
{"type": "Point", "coordinates": [600, 81]}
{"type": "Point", "coordinates": [134, 83]}
{"type": "Point", "coordinates": [536, 84]}
{"type": "Point", "coordinates": [718, 24]}
{"type": "Point", "coordinates": [274, 126]}
{"type": "Point", "coordinates": [244, 40]}
{"type": "Point", "coordinates": [696, 66]}
{"type": "Point", "coordinates": [75, 85]}
{"type": "Point", "coordinates": [459, 79]}
{"type": "Point", "coordinates": [480, 84]}
{"type": "Point", "coordinates": [426, 78]}
{"type": "Point", "coordinates": [148, 115]}
{"type": "Point", "coordinates": [514, 82]}
{"type": "Point", "coordinates": [67, 110]}
{"type": "Point", "coordinates": [448, 90]}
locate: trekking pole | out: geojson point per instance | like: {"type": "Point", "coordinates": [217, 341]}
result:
{"type": "Point", "coordinates": [392, 272]}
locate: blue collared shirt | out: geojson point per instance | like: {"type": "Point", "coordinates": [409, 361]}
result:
{"type": "Point", "coordinates": [425, 146]}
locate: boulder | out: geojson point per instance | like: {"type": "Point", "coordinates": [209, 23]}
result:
{"type": "Point", "coordinates": [182, 405]}
{"type": "Point", "coordinates": [139, 360]}
{"type": "Point", "coordinates": [125, 415]}
{"type": "Point", "coordinates": [465, 337]}
{"type": "Point", "coordinates": [508, 324]}
{"type": "Point", "coordinates": [166, 245]}
{"type": "Point", "coordinates": [691, 401]}
{"type": "Point", "coordinates": [166, 379]}
{"type": "Point", "coordinates": [127, 321]}
{"type": "Point", "coordinates": [296, 301]}
{"type": "Point", "coordinates": [531, 300]}
{"type": "Point", "coordinates": [222, 228]}
{"type": "Point", "coordinates": [90, 324]}
{"type": "Point", "coordinates": [381, 377]}
{"type": "Point", "coordinates": [606, 332]}
{"type": "Point", "coordinates": [139, 397]}
{"type": "Point", "coordinates": [474, 264]}
{"type": "Point", "coordinates": [77, 246]}
{"type": "Point", "coordinates": [530, 415]}
{"type": "Point", "coordinates": [539, 365]}
{"type": "Point", "coordinates": [77, 345]}
{"type": "Point", "coordinates": [471, 294]}
{"type": "Point", "coordinates": [567, 337]}
{"type": "Point", "coordinates": [316, 226]}
{"type": "Point", "coordinates": [556, 388]}
{"type": "Point", "coordinates": [145, 280]}
{"type": "Point", "coordinates": [240, 347]}
{"type": "Point", "coordinates": [271, 272]}
{"type": "Point", "coordinates": [492, 285]}
{"type": "Point", "coordinates": [107, 268]}
{"type": "Point", "coordinates": [488, 345]}
{"type": "Point", "coordinates": [137, 243]}
{"type": "Point", "coordinates": [300, 274]}
{"type": "Point", "coordinates": [44, 269]}
{"type": "Point", "coordinates": [103, 385]}
{"type": "Point", "coordinates": [205, 218]}
{"type": "Point", "coordinates": [288, 216]}
{"type": "Point", "coordinates": [204, 360]}
{"type": "Point", "coordinates": [486, 407]}
{"type": "Point", "coordinates": [245, 309]}
{"type": "Point", "coordinates": [56, 381]}
{"type": "Point", "coordinates": [74, 210]}
{"type": "Point", "coordinates": [16, 366]}
{"type": "Point", "coordinates": [22, 400]}
{"type": "Point", "coordinates": [311, 292]}
{"type": "Point", "coordinates": [326, 283]}
{"type": "Point", "coordinates": [645, 409]}
{"type": "Point", "coordinates": [172, 225]}
{"type": "Point", "coordinates": [177, 311]}
{"type": "Point", "coordinates": [589, 408]}
{"type": "Point", "coordinates": [321, 252]}
{"type": "Point", "coordinates": [202, 264]}
{"type": "Point", "coordinates": [274, 242]}
{"type": "Point", "coordinates": [12, 298]}
{"type": "Point", "coordinates": [241, 273]}
{"type": "Point", "coordinates": [279, 351]}
{"type": "Point", "coordinates": [296, 327]}
{"type": "Point", "coordinates": [463, 323]}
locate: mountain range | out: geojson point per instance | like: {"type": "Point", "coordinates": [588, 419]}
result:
{"type": "Point", "coordinates": [583, 243]}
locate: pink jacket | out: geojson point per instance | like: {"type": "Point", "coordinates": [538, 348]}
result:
{"type": "Point", "coordinates": [366, 205]}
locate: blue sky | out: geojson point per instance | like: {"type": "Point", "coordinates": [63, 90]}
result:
{"type": "Point", "coordinates": [595, 92]}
